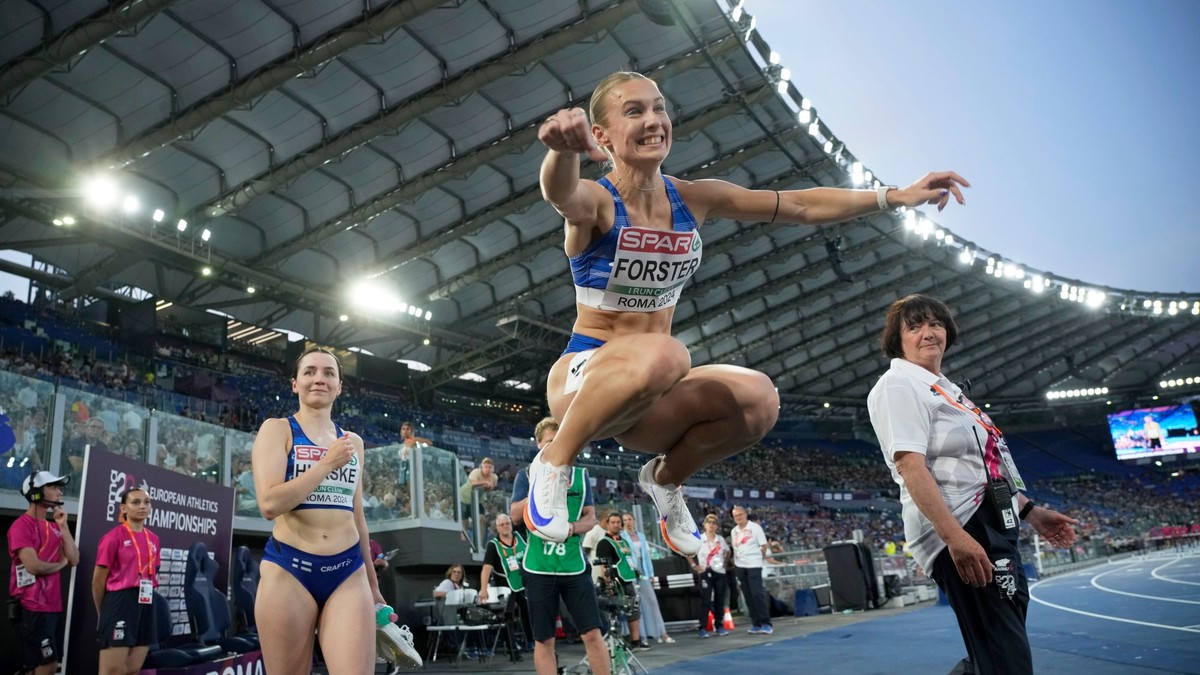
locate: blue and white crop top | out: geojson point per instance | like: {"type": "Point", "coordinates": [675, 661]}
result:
{"type": "Point", "coordinates": [336, 491]}
{"type": "Point", "coordinates": [638, 269]}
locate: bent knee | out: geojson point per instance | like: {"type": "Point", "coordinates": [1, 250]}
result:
{"type": "Point", "coordinates": [762, 409]}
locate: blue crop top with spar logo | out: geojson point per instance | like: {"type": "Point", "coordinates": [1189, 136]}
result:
{"type": "Point", "coordinates": [336, 491]}
{"type": "Point", "coordinates": [637, 269]}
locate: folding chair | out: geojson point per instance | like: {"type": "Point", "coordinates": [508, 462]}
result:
{"type": "Point", "coordinates": [452, 625]}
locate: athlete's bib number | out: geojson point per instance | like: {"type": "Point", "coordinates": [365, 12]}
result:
{"type": "Point", "coordinates": [551, 548]}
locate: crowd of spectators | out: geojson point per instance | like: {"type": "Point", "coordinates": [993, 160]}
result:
{"type": "Point", "coordinates": [109, 399]}
{"type": "Point", "coordinates": [776, 466]}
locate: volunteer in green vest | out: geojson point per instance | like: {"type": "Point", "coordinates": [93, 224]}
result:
{"type": "Point", "coordinates": [553, 571]}
{"type": "Point", "coordinates": [614, 547]}
{"type": "Point", "coordinates": [503, 557]}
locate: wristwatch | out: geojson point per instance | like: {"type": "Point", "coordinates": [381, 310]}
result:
{"type": "Point", "coordinates": [881, 196]}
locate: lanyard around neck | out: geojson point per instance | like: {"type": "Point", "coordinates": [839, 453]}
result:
{"type": "Point", "coordinates": [149, 553]}
{"type": "Point", "coordinates": [991, 467]}
{"type": "Point", "coordinates": [974, 412]}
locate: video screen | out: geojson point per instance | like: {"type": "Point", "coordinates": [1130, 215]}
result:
{"type": "Point", "coordinates": [1151, 432]}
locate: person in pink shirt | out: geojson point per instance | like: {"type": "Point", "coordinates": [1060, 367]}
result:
{"type": "Point", "coordinates": [41, 546]}
{"type": "Point", "coordinates": [123, 587]}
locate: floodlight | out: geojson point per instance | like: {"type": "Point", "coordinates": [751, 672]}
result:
{"type": "Point", "coordinates": [131, 204]}
{"type": "Point", "coordinates": [250, 290]}
{"type": "Point", "coordinates": [181, 225]}
{"type": "Point", "coordinates": [773, 58]}
{"type": "Point", "coordinates": [68, 220]}
{"type": "Point", "coordinates": [205, 234]}
{"type": "Point", "coordinates": [100, 191]}
{"type": "Point", "coordinates": [344, 317]}
{"type": "Point", "coordinates": [428, 316]}
{"type": "Point", "coordinates": [205, 271]}
{"type": "Point", "coordinates": [158, 215]}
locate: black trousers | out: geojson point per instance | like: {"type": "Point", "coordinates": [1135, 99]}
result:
{"type": "Point", "coordinates": [713, 589]}
{"type": "Point", "coordinates": [517, 609]}
{"type": "Point", "coordinates": [993, 627]}
{"type": "Point", "coordinates": [751, 583]}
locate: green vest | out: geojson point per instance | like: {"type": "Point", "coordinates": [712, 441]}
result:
{"type": "Point", "coordinates": [510, 561]}
{"type": "Point", "coordinates": [624, 567]}
{"type": "Point", "coordinates": [547, 557]}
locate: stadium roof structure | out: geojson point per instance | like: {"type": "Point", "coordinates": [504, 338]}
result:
{"type": "Point", "coordinates": [323, 144]}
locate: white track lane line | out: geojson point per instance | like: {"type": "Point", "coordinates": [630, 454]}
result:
{"type": "Point", "coordinates": [1106, 589]}
{"type": "Point", "coordinates": [1103, 617]}
{"type": "Point", "coordinates": [1154, 573]}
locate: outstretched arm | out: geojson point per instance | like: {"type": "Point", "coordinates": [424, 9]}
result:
{"type": "Point", "coordinates": [816, 206]}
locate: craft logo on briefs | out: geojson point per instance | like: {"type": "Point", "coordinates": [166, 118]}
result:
{"type": "Point", "coordinates": [331, 568]}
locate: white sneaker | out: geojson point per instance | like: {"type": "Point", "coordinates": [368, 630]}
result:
{"type": "Point", "coordinates": [677, 525]}
{"type": "Point", "coordinates": [546, 512]}
{"type": "Point", "coordinates": [395, 644]}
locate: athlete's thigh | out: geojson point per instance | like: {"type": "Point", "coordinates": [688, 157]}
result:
{"type": "Point", "coordinates": [661, 357]}
{"type": "Point", "coordinates": [712, 393]}
{"type": "Point", "coordinates": [286, 615]}
{"type": "Point", "coordinates": [347, 627]}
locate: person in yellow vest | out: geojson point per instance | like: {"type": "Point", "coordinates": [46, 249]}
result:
{"type": "Point", "coordinates": [552, 571]}
{"type": "Point", "coordinates": [502, 567]}
{"type": "Point", "coordinates": [614, 548]}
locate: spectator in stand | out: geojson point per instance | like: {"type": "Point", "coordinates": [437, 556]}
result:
{"type": "Point", "coordinates": [132, 448]}
{"type": "Point", "coordinates": [408, 441]}
{"type": "Point", "coordinates": [482, 477]}
{"type": "Point", "coordinates": [94, 435]}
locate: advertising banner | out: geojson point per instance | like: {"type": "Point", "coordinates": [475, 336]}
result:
{"type": "Point", "coordinates": [249, 663]}
{"type": "Point", "coordinates": [185, 510]}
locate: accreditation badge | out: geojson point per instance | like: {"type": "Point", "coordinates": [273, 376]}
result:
{"type": "Point", "coordinates": [145, 592]}
{"type": "Point", "coordinates": [1009, 465]}
{"type": "Point", "coordinates": [24, 578]}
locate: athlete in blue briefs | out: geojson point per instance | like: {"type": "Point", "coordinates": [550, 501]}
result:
{"type": "Point", "coordinates": [320, 575]}
{"type": "Point", "coordinates": [308, 482]}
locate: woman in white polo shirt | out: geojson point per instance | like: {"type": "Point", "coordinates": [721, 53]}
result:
{"type": "Point", "coordinates": [959, 488]}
